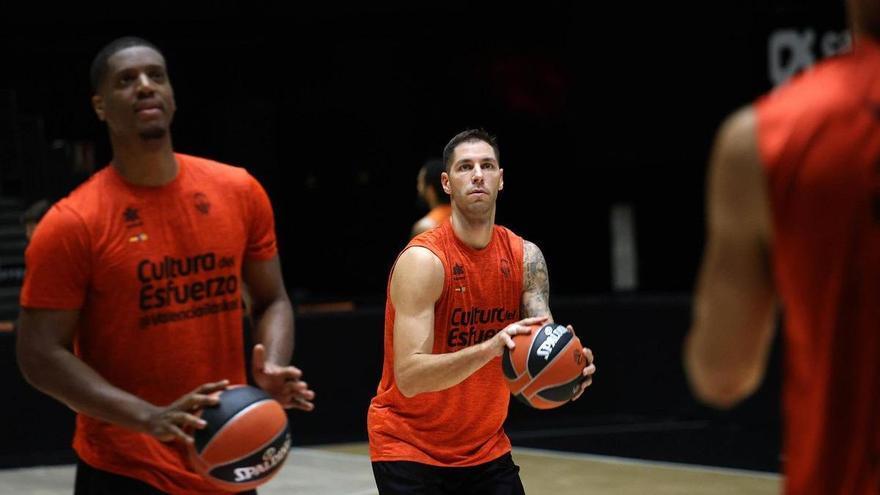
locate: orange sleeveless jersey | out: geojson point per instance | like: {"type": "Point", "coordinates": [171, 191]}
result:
{"type": "Point", "coordinates": [462, 425]}
{"type": "Point", "coordinates": [156, 274]}
{"type": "Point", "coordinates": [819, 140]}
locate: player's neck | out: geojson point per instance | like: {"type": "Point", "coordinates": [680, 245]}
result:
{"type": "Point", "coordinates": [474, 232]}
{"type": "Point", "coordinates": [145, 163]}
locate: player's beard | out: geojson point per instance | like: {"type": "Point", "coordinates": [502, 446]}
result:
{"type": "Point", "coordinates": [153, 133]}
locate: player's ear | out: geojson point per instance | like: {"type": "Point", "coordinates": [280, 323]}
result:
{"type": "Point", "coordinates": [98, 106]}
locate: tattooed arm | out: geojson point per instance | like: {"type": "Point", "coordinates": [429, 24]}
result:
{"type": "Point", "coordinates": [536, 302]}
{"type": "Point", "coordinates": [536, 283]}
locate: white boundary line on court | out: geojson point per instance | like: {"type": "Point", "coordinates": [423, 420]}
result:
{"type": "Point", "coordinates": [607, 459]}
{"type": "Point", "coordinates": [323, 454]}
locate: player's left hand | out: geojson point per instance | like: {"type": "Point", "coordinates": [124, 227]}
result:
{"type": "Point", "coordinates": [587, 373]}
{"type": "Point", "coordinates": [283, 383]}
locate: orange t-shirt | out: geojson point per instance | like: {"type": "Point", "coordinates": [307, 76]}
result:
{"type": "Point", "coordinates": [156, 275]}
{"type": "Point", "coordinates": [440, 213]}
{"type": "Point", "coordinates": [462, 425]}
{"type": "Point", "coordinates": [819, 140]}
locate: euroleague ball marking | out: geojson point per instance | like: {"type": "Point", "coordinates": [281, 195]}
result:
{"type": "Point", "coordinates": [271, 458]}
{"type": "Point", "coordinates": [553, 336]}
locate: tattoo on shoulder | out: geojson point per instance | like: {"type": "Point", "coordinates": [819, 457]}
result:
{"type": "Point", "coordinates": [536, 282]}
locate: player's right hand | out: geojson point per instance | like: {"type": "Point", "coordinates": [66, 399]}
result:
{"type": "Point", "coordinates": [504, 338]}
{"type": "Point", "coordinates": [174, 420]}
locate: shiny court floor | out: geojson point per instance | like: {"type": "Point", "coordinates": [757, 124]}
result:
{"type": "Point", "coordinates": [345, 470]}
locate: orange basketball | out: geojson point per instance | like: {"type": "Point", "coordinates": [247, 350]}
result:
{"type": "Point", "coordinates": [245, 442]}
{"type": "Point", "coordinates": [544, 369]}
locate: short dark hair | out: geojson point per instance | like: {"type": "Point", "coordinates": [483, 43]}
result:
{"type": "Point", "coordinates": [99, 63]}
{"type": "Point", "coordinates": [34, 213]}
{"type": "Point", "coordinates": [433, 169]}
{"type": "Point", "coordinates": [467, 136]}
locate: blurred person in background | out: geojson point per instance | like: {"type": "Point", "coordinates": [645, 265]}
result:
{"type": "Point", "coordinates": [431, 196]}
{"type": "Point", "coordinates": [793, 220]}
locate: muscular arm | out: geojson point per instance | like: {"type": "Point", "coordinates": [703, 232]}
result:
{"type": "Point", "coordinates": [273, 336]}
{"type": "Point", "coordinates": [272, 310]}
{"type": "Point", "coordinates": [416, 285]}
{"type": "Point", "coordinates": [733, 317]}
{"type": "Point", "coordinates": [536, 302]}
{"type": "Point", "coordinates": [46, 361]}
{"type": "Point", "coordinates": [536, 283]}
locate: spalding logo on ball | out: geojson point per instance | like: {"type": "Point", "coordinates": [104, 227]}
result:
{"type": "Point", "coordinates": [245, 441]}
{"type": "Point", "coordinates": [544, 369]}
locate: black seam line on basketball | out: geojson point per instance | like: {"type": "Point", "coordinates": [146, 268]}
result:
{"type": "Point", "coordinates": [517, 378]}
{"type": "Point", "coordinates": [533, 336]}
{"type": "Point", "coordinates": [284, 432]}
{"type": "Point", "coordinates": [234, 399]}
{"type": "Point", "coordinates": [513, 363]}
{"type": "Point", "coordinates": [520, 391]}
{"type": "Point", "coordinates": [561, 393]}
{"type": "Point", "coordinates": [566, 346]}
{"type": "Point", "coordinates": [228, 421]}
{"type": "Point", "coordinates": [534, 340]}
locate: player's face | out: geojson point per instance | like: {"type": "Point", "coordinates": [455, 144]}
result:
{"type": "Point", "coordinates": [475, 177]}
{"type": "Point", "coordinates": [29, 229]}
{"type": "Point", "coordinates": [135, 97]}
{"type": "Point", "coordinates": [420, 183]}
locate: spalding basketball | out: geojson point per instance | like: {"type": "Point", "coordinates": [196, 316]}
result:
{"type": "Point", "coordinates": [245, 441]}
{"type": "Point", "coordinates": [544, 369]}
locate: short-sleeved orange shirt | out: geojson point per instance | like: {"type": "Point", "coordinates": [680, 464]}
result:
{"type": "Point", "coordinates": [155, 273]}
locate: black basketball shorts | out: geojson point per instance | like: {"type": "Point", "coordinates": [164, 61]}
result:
{"type": "Point", "coordinates": [497, 477]}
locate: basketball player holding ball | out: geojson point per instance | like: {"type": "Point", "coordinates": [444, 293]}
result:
{"type": "Point", "coordinates": [131, 302]}
{"type": "Point", "coordinates": [456, 296]}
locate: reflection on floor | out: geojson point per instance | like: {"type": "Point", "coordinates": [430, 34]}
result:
{"type": "Point", "coordinates": [344, 469]}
